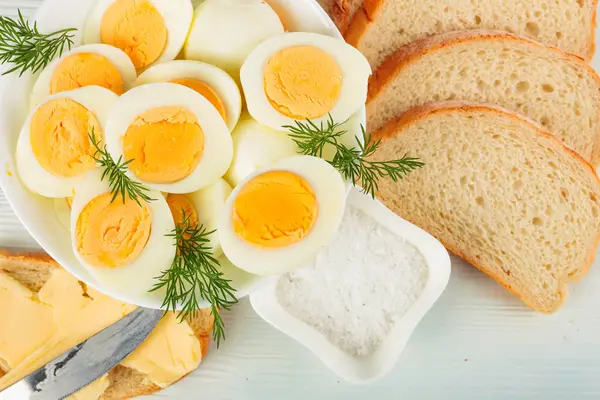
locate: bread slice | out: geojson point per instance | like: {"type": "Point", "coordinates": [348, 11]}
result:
{"type": "Point", "coordinates": [380, 27]}
{"type": "Point", "coordinates": [349, 10]}
{"type": "Point", "coordinates": [34, 269]}
{"type": "Point", "coordinates": [555, 89]}
{"type": "Point", "coordinates": [336, 11]}
{"type": "Point", "coordinates": [499, 192]}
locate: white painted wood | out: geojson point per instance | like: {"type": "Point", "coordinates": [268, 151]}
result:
{"type": "Point", "coordinates": [477, 343]}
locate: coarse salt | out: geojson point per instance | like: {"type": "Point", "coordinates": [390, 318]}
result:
{"type": "Point", "coordinates": [358, 287]}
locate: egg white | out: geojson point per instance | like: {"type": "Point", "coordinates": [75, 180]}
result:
{"type": "Point", "coordinates": [218, 146]}
{"type": "Point", "coordinates": [209, 203]}
{"type": "Point", "coordinates": [354, 67]}
{"type": "Point", "coordinates": [215, 78]}
{"type": "Point", "coordinates": [96, 99]}
{"type": "Point", "coordinates": [330, 192]}
{"type": "Point", "coordinates": [224, 32]}
{"type": "Point", "coordinates": [177, 15]}
{"type": "Point", "coordinates": [63, 213]}
{"type": "Point", "coordinates": [254, 146]}
{"type": "Point", "coordinates": [41, 88]}
{"type": "Point", "coordinates": [139, 276]}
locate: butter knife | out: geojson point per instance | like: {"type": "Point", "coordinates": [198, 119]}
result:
{"type": "Point", "coordinates": [87, 361]}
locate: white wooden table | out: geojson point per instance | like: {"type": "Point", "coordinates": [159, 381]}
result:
{"type": "Point", "coordinates": [477, 343]}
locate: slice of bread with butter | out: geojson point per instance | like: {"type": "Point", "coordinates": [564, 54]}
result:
{"type": "Point", "coordinates": [46, 311]}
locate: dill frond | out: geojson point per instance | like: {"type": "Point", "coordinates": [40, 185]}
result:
{"type": "Point", "coordinates": [116, 172]}
{"type": "Point", "coordinates": [23, 46]}
{"type": "Point", "coordinates": [352, 162]}
{"type": "Point", "coordinates": [194, 276]}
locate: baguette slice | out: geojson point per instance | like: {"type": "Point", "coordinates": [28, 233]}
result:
{"type": "Point", "coordinates": [499, 192]}
{"type": "Point", "coordinates": [381, 27]}
{"type": "Point", "coordinates": [555, 89]}
{"type": "Point", "coordinates": [34, 269]}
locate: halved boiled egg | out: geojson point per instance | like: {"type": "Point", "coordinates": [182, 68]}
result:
{"type": "Point", "coordinates": [224, 32]}
{"type": "Point", "coordinates": [202, 208]}
{"type": "Point", "coordinates": [211, 82]}
{"type": "Point", "coordinates": [255, 146]}
{"type": "Point", "coordinates": [148, 31]}
{"type": "Point", "coordinates": [91, 65]}
{"type": "Point", "coordinates": [54, 151]}
{"type": "Point", "coordinates": [122, 244]}
{"type": "Point", "coordinates": [298, 76]}
{"type": "Point", "coordinates": [175, 138]}
{"type": "Point", "coordinates": [282, 215]}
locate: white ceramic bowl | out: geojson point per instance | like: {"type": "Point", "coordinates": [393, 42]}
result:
{"type": "Point", "coordinates": [37, 213]}
{"type": "Point", "coordinates": [365, 369]}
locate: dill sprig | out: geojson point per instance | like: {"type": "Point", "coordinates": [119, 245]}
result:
{"type": "Point", "coordinates": [116, 172]}
{"type": "Point", "coordinates": [352, 162]}
{"type": "Point", "coordinates": [26, 48]}
{"type": "Point", "coordinates": [194, 276]}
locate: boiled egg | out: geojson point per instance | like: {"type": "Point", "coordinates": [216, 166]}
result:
{"type": "Point", "coordinates": [255, 146]}
{"type": "Point", "coordinates": [202, 209]}
{"type": "Point", "coordinates": [175, 139]}
{"type": "Point", "coordinates": [62, 209]}
{"type": "Point", "coordinates": [54, 151]}
{"type": "Point", "coordinates": [281, 216]}
{"type": "Point", "coordinates": [224, 32]}
{"type": "Point", "coordinates": [148, 31]}
{"type": "Point", "coordinates": [211, 82]}
{"type": "Point", "coordinates": [122, 244]}
{"type": "Point", "coordinates": [91, 65]}
{"type": "Point", "coordinates": [299, 76]}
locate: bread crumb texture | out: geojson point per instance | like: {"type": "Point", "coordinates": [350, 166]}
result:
{"type": "Point", "coordinates": [558, 91]}
{"type": "Point", "coordinates": [499, 192]}
{"type": "Point", "coordinates": [380, 27]}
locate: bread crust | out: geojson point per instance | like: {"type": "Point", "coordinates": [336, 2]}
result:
{"type": "Point", "coordinates": [339, 13]}
{"type": "Point", "coordinates": [416, 114]}
{"type": "Point", "coordinates": [367, 14]}
{"type": "Point", "coordinates": [386, 73]}
{"type": "Point", "coordinates": [592, 49]}
{"type": "Point", "coordinates": [25, 258]}
{"type": "Point", "coordinates": [361, 20]}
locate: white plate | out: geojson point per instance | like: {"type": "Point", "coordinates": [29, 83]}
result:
{"type": "Point", "coordinates": [37, 213]}
{"type": "Point", "coordinates": [366, 369]}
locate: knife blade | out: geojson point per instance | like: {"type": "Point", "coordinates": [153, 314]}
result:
{"type": "Point", "coordinates": [86, 362]}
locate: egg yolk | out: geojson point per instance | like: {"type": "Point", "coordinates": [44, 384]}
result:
{"type": "Point", "coordinates": [302, 82]}
{"type": "Point", "coordinates": [205, 91]}
{"type": "Point", "coordinates": [275, 209]}
{"type": "Point", "coordinates": [59, 136]}
{"type": "Point", "coordinates": [137, 28]}
{"type": "Point", "coordinates": [86, 69]}
{"type": "Point", "coordinates": [180, 205]}
{"type": "Point", "coordinates": [165, 143]}
{"type": "Point", "coordinates": [112, 234]}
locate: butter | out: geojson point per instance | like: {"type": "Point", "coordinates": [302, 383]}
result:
{"type": "Point", "coordinates": [25, 324]}
{"type": "Point", "coordinates": [170, 352]}
{"type": "Point", "coordinates": [36, 328]}
{"type": "Point", "coordinates": [93, 391]}
{"type": "Point", "coordinates": [64, 295]}
{"type": "Point", "coordinates": [43, 327]}
{"type": "Point", "coordinates": [99, 314]}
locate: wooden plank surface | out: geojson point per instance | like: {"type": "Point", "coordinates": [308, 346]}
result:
{"type": "Point", "coordinates": [477, 343]}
